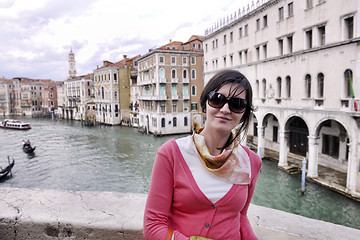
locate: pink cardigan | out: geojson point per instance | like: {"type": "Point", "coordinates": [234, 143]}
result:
{"type": "Point", "coordinates": [175, 201]}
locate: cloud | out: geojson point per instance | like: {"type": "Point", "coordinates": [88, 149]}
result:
{"type": "Point", "coordinates": [36, 36]}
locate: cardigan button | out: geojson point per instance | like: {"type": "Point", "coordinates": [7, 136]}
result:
{"type": "Point", "coordinates": [213, 206]}
{"type": "Point", "coordinates": [207, 225]}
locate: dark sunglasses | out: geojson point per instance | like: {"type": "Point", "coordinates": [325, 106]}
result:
{"type": "Point", "coordinates": [218, 100]}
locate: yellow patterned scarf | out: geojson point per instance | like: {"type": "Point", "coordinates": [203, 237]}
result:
{"type": "Point", "coordinates": [233, 163]}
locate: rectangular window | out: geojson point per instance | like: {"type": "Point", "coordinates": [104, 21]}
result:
{"type": "Point", "coordinates": [308, 35]}
{"type": "Point", "coordinates": [330, 145]}
{"type": "Point", "coordinates": [186, 106]}
{"type": "Point", "coordinates": [184, 61]}
{"type": "Point", "coordinates": [245, 56]}
{"type": "Point", "coordinates": [173, 90]}
{"type": "Point", "coordinates": [162, 90]}
{"type": "Point", "coordinates": [265, 21]}
{"type": "Point", "coordinates": [216, 43]}
{"type": "Point", "coordinates": [255, 129]}
{"type": "Point", "coordinates": [290, 44]}
{"type": "Point", "coordinates": [281, 47]}
{"type": "Point", "coordinates": [193, 60]}
{"type": "Point", "coordinates": [240, 33]}
{"type": "Point", "coordinates": [258, 24]}
{"type": "Point", "coordinates": [240, 57]}
{"type": "Point", "coordinates": [281, 13]}
{"type": "Point", "coordinates": [246, 29]}
{"type": "Point", "coordinates": [231, 60]}
{"type": "Point", "coordinates": [349, 28]}
{"type": "Point", "coordinates": [265, 51]}
{"type": "Point", "coordinates": [224, 39]}
{"type": "Point", "coordinates": [309, 4]}
{"type": "Point", "coordinates": [162, 107]}
{"type": "Point", "coordinates": [206, 48]}
{"type": "Point", "coordinates": [257, 53]}
{"type": "Point", "coordinates": [174, 107]}
{"type": "Point", "coordinates": [231, 36]}
{"type": "Point", "coordinates": [193, 106]}
{"type": "Point", "coordinates": [290, 9]}
{"type": "Point", "coordinates": [173, 60]}
{"type": "Point", "coordinates": [321, 31]}
{"type": "Point", "coordinates": [115, 77]}
{"type": "Point", "coordinates": [161, 60]}
{"type": "Point", "coordinates": [225, 61]}
{"type": "Point", "coordinates": [275, 134]}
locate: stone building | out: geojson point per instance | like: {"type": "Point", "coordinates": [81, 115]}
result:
{"type": "Point", "coordinates": [170, 82]}
{"type": "Point", "coordinates": [78, 91]}
{"type": "Point", "coordinates": [112, 91]}
{"type": "Point", "coordinates": [302, 59]}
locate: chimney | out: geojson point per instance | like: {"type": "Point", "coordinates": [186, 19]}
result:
{"type": "Point", "coordinates": [170, 40]}
{"type": "Point", "coordinates": [124, 56]}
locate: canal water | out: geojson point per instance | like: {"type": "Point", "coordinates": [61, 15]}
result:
{"type": "Point", "coordinates": [70, 156]}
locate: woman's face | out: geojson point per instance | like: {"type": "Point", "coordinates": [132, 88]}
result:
{"type": "Point", "coordinates": [223, 119]}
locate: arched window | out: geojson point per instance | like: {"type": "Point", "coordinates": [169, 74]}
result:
{"type": "Point", "coordinates": [89, 92]}
{"type": "Point", "coordinates": [263, 88]}
{"type": "Point", "coordinates": [162, 73]}
{"type": "Point", "coordinates": [193, 74]}
{"type": "Point", "coordinates": [173, 73]}
{"type": "Point", "coordinates": [102, 93]}
{"type": "Point", "coordinates": [185, 121]}
{"type": "Point", "coordinates": [348, 77]}
{"type": "Point", "coordinates": [320, 87]}
{"type": "Point", "coordinates": [278, 84]}
{"type": "Point", "coordinates": [288, 87]}
{"type": "Point", "coordinates": [163, 122]}
{"type": "Point", "coordinates": [193, 91]}
{"type": "Point", "coordinates": [257, 88]}
{"type": "Point", "coordinates": [307, 86]}
{"type": "Point", "coordinates": [174, 122]}
{"type": "Point", "coordinates": [184, 73]}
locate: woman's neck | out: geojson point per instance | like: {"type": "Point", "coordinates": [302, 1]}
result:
{"type": "Point", "coordinates": [214, 141]}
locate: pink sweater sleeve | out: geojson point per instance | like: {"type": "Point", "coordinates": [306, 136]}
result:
{"type": "Point", "coordinates": [159, 199]}
{"type": "Point", "coordinates": [245, 228]}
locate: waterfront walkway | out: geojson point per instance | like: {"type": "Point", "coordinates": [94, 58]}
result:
{"type": "Point", "coordinates": [329, 178]}
{"type": "Point", "coordinates": [56, 214]}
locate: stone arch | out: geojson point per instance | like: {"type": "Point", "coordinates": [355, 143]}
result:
{"type": "Point", "coordinates": [333, 139]}
{"type": "Point", "coordinates": [271, 127]}
{"type": "Point", "coordinates": [298, 131]}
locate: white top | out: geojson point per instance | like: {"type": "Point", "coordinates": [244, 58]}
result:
{"type": "Point", "coordinates": [213, 187]}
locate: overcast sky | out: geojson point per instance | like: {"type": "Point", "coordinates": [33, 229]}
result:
{"type": "Point", "coordinates": [36, 35]}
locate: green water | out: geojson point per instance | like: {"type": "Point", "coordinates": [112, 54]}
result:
{"type": "Point", "coordinates": [73, 157]}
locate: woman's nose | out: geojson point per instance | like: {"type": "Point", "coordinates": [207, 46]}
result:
{"type": "Point", "coordinates": [225, 108]}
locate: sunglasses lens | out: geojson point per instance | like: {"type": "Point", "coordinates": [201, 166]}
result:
{"type": "Point", "coordinates": [216, 100]}
{"type": "Point", "coordinates": [237, 105]}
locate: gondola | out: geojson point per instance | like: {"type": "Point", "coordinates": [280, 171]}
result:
{"type": "Point", "coordinates": [4, 172]}
{"type": "Point", "coordinates": [27, 147]}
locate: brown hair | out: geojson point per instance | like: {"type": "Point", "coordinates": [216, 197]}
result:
{"type": "Point", "coordinates": [220, 79]}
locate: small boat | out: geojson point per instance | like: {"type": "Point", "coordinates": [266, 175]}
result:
{"type": "Point", "coordinates": [27, 147]}
{"type": "Point", "coordinates": [4, 172]}
{"type": "Point", "coordinates": [14, 124]}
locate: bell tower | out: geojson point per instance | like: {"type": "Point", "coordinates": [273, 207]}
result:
{"type": "Point", "coordinates": [72, 69]}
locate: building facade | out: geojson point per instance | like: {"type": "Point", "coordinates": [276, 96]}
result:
{"type": "Point", "coordinates": [112, 91]}
{"type": "Point", "coordinates": [302, 59]}
{"type": "Point", "coordinates": [170, 81]}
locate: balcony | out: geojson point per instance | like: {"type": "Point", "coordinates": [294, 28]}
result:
{"type": "Point", "coordinates": [174, 80]}
{"type": "Point", "coordinates": [145, 97]}
{"type": "Point", "coordinates": [175, 97]}
{"type": "Point", "coordinates": [186, 97]}
{"type": "Point", "coordinates": [350, 105]}
{"type": "Point", "coordinates": [159, 97]}
{"type": "Point", "coordinates": [186, 80]}
{"type": "Point", "coordinates": [162, 80]}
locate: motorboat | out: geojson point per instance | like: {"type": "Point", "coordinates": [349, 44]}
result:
{"type": "Point", "coordinates": [14, 124]}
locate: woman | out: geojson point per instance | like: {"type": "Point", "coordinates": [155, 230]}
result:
{"type": "Point", "coordinates": [202, 185]}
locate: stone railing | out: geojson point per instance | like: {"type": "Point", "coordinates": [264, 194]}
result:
{"type": "Point", "coordinates": [55, 214]}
